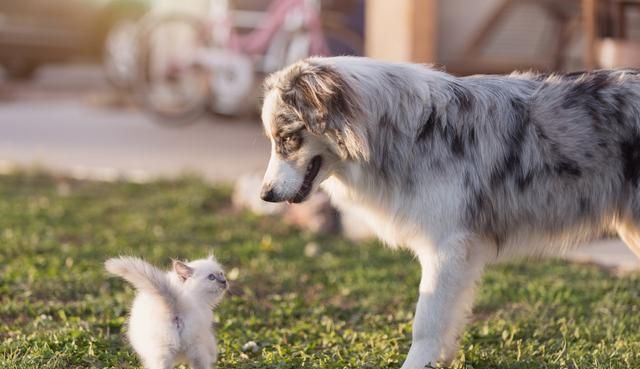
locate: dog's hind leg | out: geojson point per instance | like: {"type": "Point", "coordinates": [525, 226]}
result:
{"type": "Point", "coordinates": [446, 275]}
{"type": "Point", "coordinates": [629, 232]}
{"type": "Point", "coordinates": [628, 225]}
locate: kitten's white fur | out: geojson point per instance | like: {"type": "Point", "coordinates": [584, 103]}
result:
{"type": "Point", "coordinates": [172, 312]}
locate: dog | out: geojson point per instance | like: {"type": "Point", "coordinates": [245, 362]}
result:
{"type": "Point", "coordinates": [462, 171]}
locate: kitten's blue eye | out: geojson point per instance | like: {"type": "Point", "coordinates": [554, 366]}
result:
{"type": "Point", "coordinates": [211, 277]}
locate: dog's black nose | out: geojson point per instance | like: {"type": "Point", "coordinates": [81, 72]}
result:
{"type": "Point", "coordinates": [267, 194]}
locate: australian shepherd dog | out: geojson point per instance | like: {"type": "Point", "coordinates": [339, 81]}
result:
{"type": "Point", "coordinates": [461, 171]}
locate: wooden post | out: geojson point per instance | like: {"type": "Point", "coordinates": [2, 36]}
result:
{"type": "Point", "coordinates": [401, 30]}
{"type": "Point", "coordinates": [589, 29]}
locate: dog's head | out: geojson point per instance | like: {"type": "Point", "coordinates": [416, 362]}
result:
{"type": "Point", "coordinates": [310, 115]}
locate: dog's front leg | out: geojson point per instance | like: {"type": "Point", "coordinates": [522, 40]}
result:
{"type": "Point", "coordinates": [447, 271]}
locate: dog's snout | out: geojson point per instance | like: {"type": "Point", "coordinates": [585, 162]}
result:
{"type": "Point", "coordinates": [267, 194]}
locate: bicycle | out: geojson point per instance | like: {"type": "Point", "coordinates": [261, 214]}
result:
{"type": "Point", "coordinates": [189, 64]}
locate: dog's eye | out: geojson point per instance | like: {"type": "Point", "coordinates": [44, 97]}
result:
{"type": "Point", "coordinates": [211, 277]}
{"type": "Point", "coordinates": [291, 141]}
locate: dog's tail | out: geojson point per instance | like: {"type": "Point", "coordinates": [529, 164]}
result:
{"type": "Point", "coordinates": [143, 276]}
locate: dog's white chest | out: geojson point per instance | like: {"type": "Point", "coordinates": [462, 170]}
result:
{"type": "Point", "coordinates": [389, 225]}
{"type": "Point", "coordinates": [402, 219]}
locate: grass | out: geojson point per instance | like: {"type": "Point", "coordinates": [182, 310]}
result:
{"type": "Point", "coordinates": [345, 306]}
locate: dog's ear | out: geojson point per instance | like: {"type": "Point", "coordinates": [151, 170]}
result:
{"type": "Point", "coordinates": [182, 270]}
{"type": "Point", "coordinates": [326, 104]}
{"type": "Point", "coordinates": [320, 96]}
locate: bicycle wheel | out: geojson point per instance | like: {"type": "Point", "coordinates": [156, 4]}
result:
{"type": "Point", "coordinates": [170, 83]}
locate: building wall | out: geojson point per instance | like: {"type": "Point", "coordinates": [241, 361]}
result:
{"type": "Point", "coordinates": [525, 33]}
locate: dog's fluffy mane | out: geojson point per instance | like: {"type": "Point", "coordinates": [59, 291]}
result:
{"type": "Point", "coordinates": [525, 150]}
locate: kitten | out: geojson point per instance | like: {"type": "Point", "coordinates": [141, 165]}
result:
{"type": "Point", "coordinates": [172, 312]}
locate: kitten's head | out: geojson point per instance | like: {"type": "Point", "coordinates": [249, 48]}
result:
{"type": "Point", "coordinates": [203, 278]}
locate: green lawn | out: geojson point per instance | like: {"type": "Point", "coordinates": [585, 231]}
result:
{"type": "Point", "coordinates": [347, 306]}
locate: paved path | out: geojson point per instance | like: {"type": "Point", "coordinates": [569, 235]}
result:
{"type": "Point", "coordinates": [72, 137]}
{"type": "Point", "coordinates": [611, 253]}
{"type": "Point", "coordinates": [68, 127]}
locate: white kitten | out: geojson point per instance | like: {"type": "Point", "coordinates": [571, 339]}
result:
{"type": "Point", "coordinates": [172, 313]}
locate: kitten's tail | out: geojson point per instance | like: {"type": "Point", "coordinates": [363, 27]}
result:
{"type": "Point", "coordinates": [143, 276]}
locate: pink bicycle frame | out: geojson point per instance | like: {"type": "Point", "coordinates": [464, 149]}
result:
{"type": "Point", "coordinates": [258, 41]}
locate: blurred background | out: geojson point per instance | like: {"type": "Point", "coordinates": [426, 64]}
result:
{"type": "Point", "coordinates": [139, 89]}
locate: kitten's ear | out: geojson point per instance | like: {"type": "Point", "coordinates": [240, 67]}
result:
{"type": "Point", "coordinates": [211, 257]}
{"type": "Point", "coordinates": [182, 270]}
